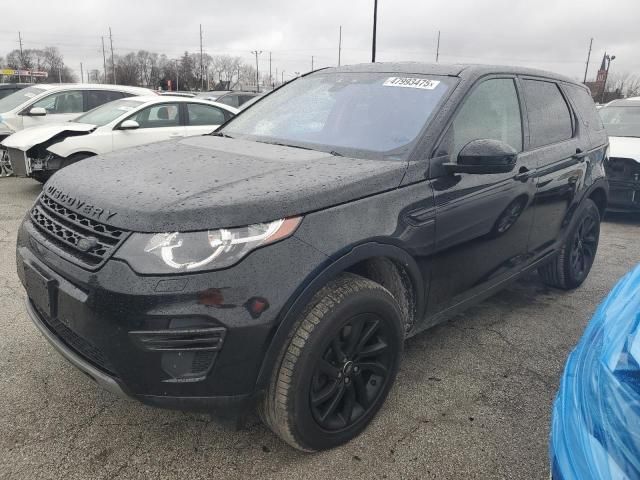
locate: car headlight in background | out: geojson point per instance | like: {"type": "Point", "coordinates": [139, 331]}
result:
{"type": "Point", "coordinates": [177, 252]}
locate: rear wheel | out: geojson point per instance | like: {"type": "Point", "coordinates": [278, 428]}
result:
{"type": "Point", "coordinates": [338, 366]}
{"type": "Point", "coordinates": [572, 265]}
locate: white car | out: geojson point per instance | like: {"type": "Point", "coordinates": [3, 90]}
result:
{"type": "Point", "coordinates": [621, 119]}
{"type": "Point", "coordinates": [42, 104]}
{"type": "Point", "coordinates": [40, 151]}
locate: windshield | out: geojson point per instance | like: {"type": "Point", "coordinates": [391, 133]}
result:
{"type": "Point", "coordinates": [16, 99]}
{"type": "Point", "coordinates": [621, 121]}
{"type": "Point", "coordinates": [108, 112]}
{"type": "Point", "coordinates": [358, 114]}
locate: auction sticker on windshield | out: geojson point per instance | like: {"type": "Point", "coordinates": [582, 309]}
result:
{"type": "Point", "coordinates": [409, 82]}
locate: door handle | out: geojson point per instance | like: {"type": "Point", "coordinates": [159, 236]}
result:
{"type": "Point", "coordinates": [523, 174]}
{"type": "Point", "coordinates": [579, 155]}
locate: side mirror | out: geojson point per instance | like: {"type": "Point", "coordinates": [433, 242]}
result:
{"type": "Point", "coordinates": [129, 125]}
{"type": "Point", "coordinates": [484, 156]}
{"type": "Point", "coordinates": [37, 112]}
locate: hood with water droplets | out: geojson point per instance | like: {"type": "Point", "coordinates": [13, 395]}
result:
{"type": "Point", "coordinates": [210, 182]}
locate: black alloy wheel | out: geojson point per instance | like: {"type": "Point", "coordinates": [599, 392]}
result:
{"type": "Point", "coordinates": [336, 369]}
{"type": "Point", "coordinates": [351, 373]}
{"type": "Point", "coordinates": [585, 244]}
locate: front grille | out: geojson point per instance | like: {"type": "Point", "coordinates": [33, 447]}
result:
{"type": "Point", "coordinates": [87, 241]}
{"type": "Point", "coordinates": [625, 169]}
{"type": "Point", "coordinates": [77, 343]}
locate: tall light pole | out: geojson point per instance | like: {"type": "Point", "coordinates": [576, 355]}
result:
{"type": "Point", "coordinates": [609, 59]}
{"type": "Point", "coordinates": [375, 23]}
{"type": "Point", "coordinates": [339, 45]}
{"type": "Point", "coordinates": [438, 48]}
{"type": "Point", "coordinates": [256, 53]}
{"type": "Point", "coordinates": [201, 62]}
{"type": "Point", "coordinates": [113, 63]}
{"type": "Point", "coordinates": [104, 61]}
{"type": "Point", "coordinates": [586, 69]}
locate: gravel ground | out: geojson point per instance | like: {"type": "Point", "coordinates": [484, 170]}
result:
{"type": "Point", "coordinates": [472, 400]}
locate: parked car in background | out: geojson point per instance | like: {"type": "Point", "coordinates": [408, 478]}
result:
{"type": "Point", "coordinates": [595, 431]}
{"type": "Point", "coordinates": [9, 88]}
{"type": "Point", "coordinates": [41, 104]}
{"type": "Point", "coordinates": [212, 95]}
{"type": "Point", "coordinates": [178, 94]}
{"type": "Point", "coordinates": [38, 152]}
{"type": "Point", "coordinates": [621, 120]}
{"type": "Point", "coordinates": [237, 99]}
{"type": "Point", "coordinates": [287, 256]}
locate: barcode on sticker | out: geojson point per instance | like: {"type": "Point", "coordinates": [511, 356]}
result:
{"type": "Point", "coordinates": [409, 82]}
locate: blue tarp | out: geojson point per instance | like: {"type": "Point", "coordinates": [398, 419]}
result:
{"type": "Point", "coordinates": [595, 431]}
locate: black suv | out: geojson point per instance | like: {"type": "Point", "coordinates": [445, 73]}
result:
{"type": "Point", "coordinates": [286, 257]}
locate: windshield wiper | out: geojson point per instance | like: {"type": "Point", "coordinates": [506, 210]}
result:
{"type": "Point", "coordinates": [220, 134]}
{"type": "Point", "coordinates": [284, 145]}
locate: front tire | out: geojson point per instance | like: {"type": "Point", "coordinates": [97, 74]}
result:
{"type": "Point", "coordinates": [574, 261]}
{"type": "Point", "coordinates": [338, 367]}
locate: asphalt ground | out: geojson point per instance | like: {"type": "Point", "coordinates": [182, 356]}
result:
{"type": "Point", "coordinates": [472, 400]}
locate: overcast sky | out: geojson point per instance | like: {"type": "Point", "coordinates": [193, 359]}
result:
{"type": "Point", "coordinates": [549, 34]}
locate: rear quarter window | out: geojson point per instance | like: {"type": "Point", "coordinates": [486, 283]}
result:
{"type": "Point", "coordinates": [586, 108]}
{"type": "Point", "coordinates": [548, 113]}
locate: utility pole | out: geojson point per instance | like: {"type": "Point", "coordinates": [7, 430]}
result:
{"type": "Point", "coordinates": [81, 74]}
{"type": "Point", "coordinates": [312, 63]}
{"type": "Point", "coordinates": [588, 58]}
{"type": "Point", "coordinates": [270, 77]}
{"type": "Point", "coordinates": [113, 63]}
{"type": "Point", "coordinates": [256, 53]}
{"type": "Point", "coordinates": [438, 48]}
{"type": "Point", "coordinates": [177, 76]}
{"type": "Point", "coordinates": [104, 61]}
{"type": "Point", "coordinates": [339, 45]}
{"type": "Point", "coordinates": [21, 55]}
{"type": "Point", "coordinates": [375, 23]}
{"type": "Point", "coordinates": [60, 72]}
{"type": "Point", "coordinates": [201, 60]}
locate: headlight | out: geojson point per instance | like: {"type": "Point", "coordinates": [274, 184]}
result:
{"type": "Point", "coordinates": [174, 252]}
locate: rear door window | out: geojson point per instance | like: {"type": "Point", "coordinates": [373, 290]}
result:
{"type": "Point", "coordinates": [548, 113]}
{"type": "Point", "coordinates": [199, 114]}
{"type": "Point", "coordinates": [95, 98]}
{"type": "Point", "coordinates": [584, 103]}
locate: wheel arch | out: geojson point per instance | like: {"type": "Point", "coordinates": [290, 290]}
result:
{"type": "Point", "coordinates": [389, 265]}
{"type": "Point", "coordinates": [600, 198]}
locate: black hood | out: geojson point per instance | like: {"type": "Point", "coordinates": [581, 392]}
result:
{"type": "Point", "coordinates": [211, 182]}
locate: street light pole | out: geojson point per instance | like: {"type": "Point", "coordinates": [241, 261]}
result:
{"type": "Point", "coordinates": [375, 22]}
{"type": "Point", "coordinates": [256, 53]}
{"type": "Point", "coordinates": [606, 75]}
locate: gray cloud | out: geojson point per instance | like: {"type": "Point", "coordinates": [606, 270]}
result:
{"type": "Point", "coordinates": [552, 35]}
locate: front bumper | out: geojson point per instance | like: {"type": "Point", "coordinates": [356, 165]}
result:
{"type": "Point", "coordinates": [127, 331]}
